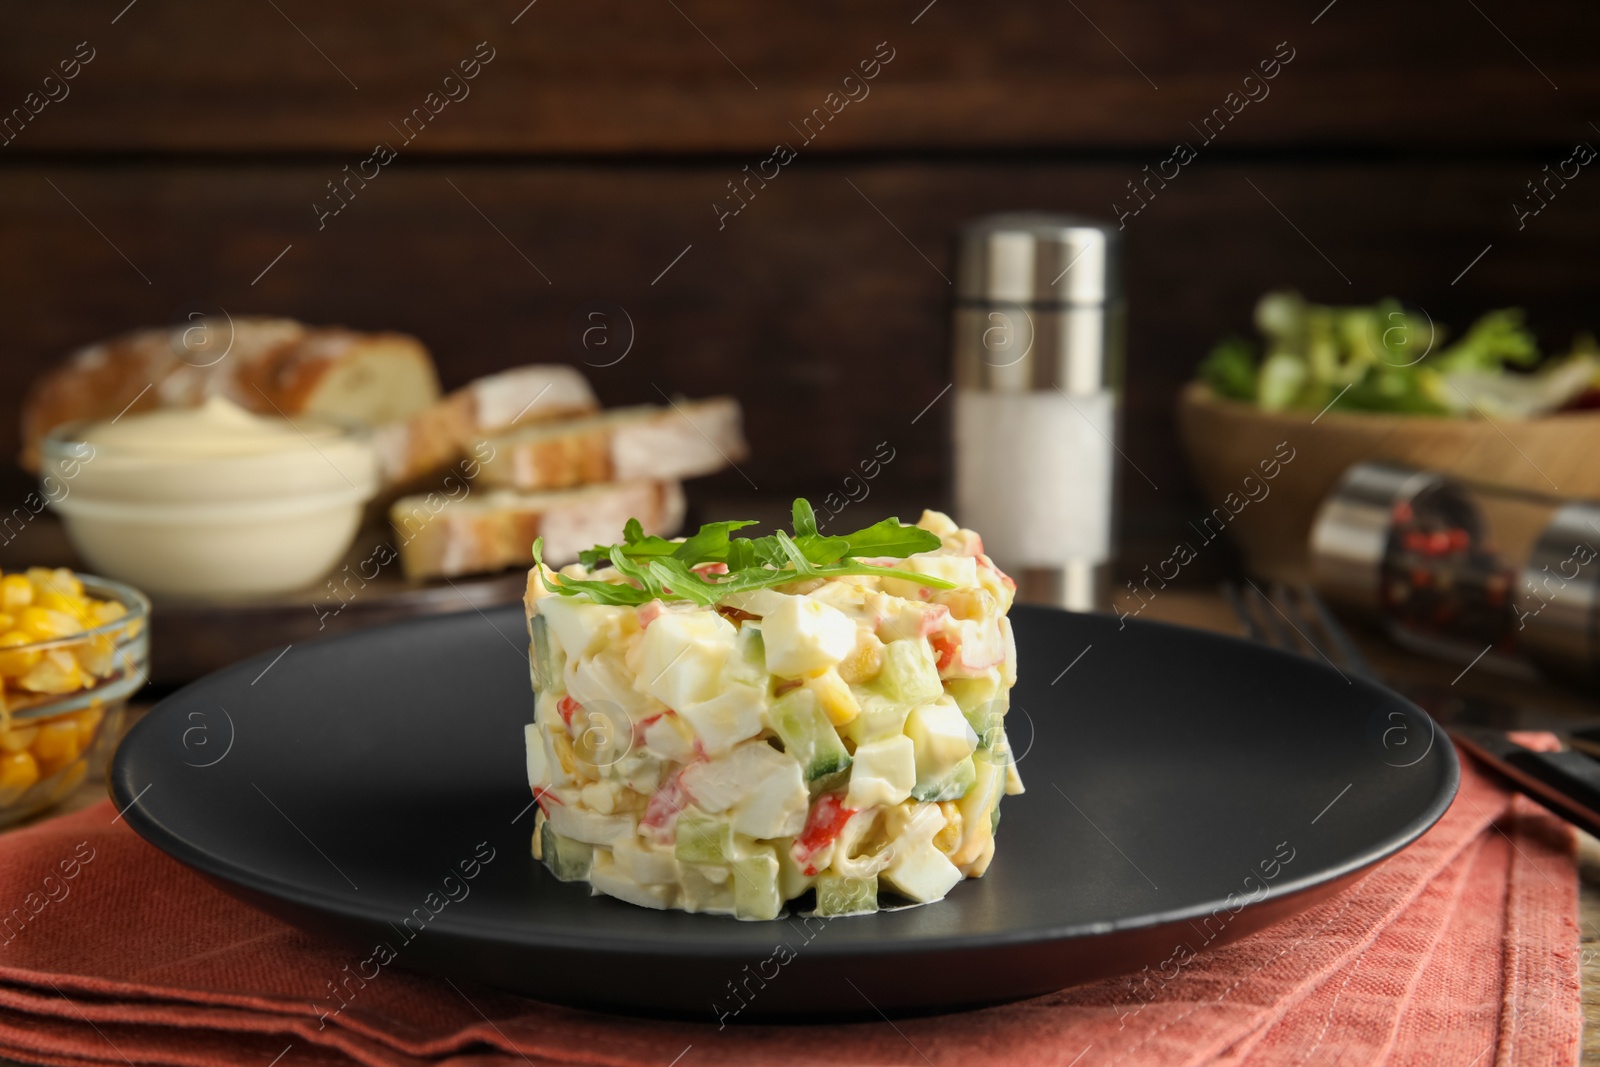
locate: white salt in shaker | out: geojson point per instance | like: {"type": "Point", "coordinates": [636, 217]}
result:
{"type": "Point", "coordinates": [1039, 327]}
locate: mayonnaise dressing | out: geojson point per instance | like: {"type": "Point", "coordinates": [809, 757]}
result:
{"type": "Point", "coordinates": [211, 500]}
{"type": "Point", "coordinates": [218, 427]}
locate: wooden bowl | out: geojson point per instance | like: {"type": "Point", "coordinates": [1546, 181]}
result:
{"type": "Point", "coordinates": [1557, 456]}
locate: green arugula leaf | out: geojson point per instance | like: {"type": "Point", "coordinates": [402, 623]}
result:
{"type": "Point", "coordinates": [600, 592]}
{"type": "Point", "coordinates": [710, 543]}
{"type": "Point", "coordinates": [805, 520]}
{"type": "Point", "coordinates": [890, 537]}
{"type": "Point", "coordinates": [655, 568]}
{"type": "Point", "coordinates": [685, 582]}
{"type": "Point", "coordinates": [802, 566]}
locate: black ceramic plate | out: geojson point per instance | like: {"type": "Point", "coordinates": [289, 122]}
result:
{"type": "Point", "coordinates": [1181, 786]}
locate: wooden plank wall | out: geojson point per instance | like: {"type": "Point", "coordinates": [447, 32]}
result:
{"type": "Point", "coordinates": [195, 144]}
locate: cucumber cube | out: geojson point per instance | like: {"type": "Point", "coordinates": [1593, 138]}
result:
{"type": "Point", "coordinates": [807, 734]}
{"type": "Point", "coordinates": [748, 664]}
{"type": "Point", "coordinates": [544, 659]}
{"type": "Point", "coordinates": [838, 895]}
{"type": "Point", "coordinates": [792, 881]}
{"type": "Point", "coordinates": [909, 675]}
{"type": "Point", "coordinates": [879, 717]}
{"type": "Point", "coordinates": [755, 884]}
{"type": "Point", "coordinates": [983, 701]}
{"type": "Point", "coordinates": [567, 859]}
{"type": "Point", "coordinates": [703, 838]}
{"type": "Point", "coordinates": [952, 785]}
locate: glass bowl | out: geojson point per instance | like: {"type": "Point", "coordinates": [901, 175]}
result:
{"type": "Point", "coordinates": [51, 741]}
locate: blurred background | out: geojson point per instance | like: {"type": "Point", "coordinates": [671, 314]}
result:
{"type": "Point", "coordinates": [188, 165]}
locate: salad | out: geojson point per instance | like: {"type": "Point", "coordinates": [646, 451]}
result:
{"type": "Point", "coordinates": [1389, 357]}
{"type": "Point", "coordinates": [726, 723]}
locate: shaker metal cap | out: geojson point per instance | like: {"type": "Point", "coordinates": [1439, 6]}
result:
{"type": "Point", "coordinates": [1039, 258]}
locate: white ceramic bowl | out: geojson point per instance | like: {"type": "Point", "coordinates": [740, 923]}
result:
{"type": "Point", "coordinates": [211, 526]}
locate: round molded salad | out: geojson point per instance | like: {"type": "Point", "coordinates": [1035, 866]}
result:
{"type": "Point", "coordinates": [740, 725]}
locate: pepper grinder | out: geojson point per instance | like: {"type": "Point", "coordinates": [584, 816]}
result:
{"type": "Point", "coordinates": [1038, 352]}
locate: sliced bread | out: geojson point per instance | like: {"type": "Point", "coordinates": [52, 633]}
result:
{"type": "Point", "coordinates": [682, 440]}
{"type": "Point", "coordinates": [269, 366]}
{"type": "Point", "coordinates": [490, 531]}
{"type": "Point", "coordinates": [440, 434]}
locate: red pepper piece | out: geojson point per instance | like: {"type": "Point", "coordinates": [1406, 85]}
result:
{"type": "Point", "coordinates": [827, 818]}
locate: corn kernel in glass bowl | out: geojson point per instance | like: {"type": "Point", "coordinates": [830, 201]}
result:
{"type": "Point", "coordinates": [73, 649]}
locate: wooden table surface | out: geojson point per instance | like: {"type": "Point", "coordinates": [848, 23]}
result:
{"type": "Point", "coordinates": [1540, 705]}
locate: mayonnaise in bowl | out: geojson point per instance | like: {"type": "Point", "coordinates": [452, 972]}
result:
{"type": "Point", "coordinates": [210, 501]}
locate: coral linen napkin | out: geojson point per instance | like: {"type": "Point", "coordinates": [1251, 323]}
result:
{"type": "Point", "coordinates": [1460, 950]}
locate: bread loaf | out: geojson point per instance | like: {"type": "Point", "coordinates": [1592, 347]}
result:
{"type": "Point", "coordinates": [269, 366]}
{"type": "Point", "coordinates": [682, 440]}
{"type": "Point", "coordinates": [439, 434]}
{"type": "Point", "coordinates": [440, 536]}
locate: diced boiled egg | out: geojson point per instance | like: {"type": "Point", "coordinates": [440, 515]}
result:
{"type": "Point", "coordinates": [607, 877]}
{"type": "Point", "coordinates": [572, 820]}
{"type": "Point", "coordinates": [731, 716]}
{"type": "Point", "coordinates": [644, 863]}
{"type": "Point", "coordinates": [603, 684]}
{"type": "Point", "coordinates": [601, 796]}
{"type": "Point", "coordinates": [804, 636]}
{"type": "Point", "coordinates": [760, 786]}
{"type": "Point", "coordinates": [958, 570]}
{"type": "Point", "coordinates": [682, 656]}
{"type": "Point", "coordinates": [670, 738]}
{"type": "Point", "coordinates": [581, 626]}
{"type": "Point", "coordinates": [940, 736]}
{"type": "Point", "coordinates": [882, 773]}
{"type": "Point", "coordinates": [917, 868]}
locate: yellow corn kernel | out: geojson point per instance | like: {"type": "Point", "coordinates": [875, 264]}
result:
{"type": "Point", "coordinates": [834, 696]}
{"type": "Point", "coordinates": [970, 603]}
{"type": "Point", "coordinates": [56, 746]}
{"type": "Point", "coordinates": [948, 839]}
{"type": "Point", "coordinates": [88, 721]}
{"type": "Point", "coordinates": [563, 749]}
{"type": "Point", "coordinates": [57, 672]}
{"type": "Point", "coordinates": [18, 771]}
{"type": "Point", "coordinates": [13, 664]}
{"type": "Point", "coordinates": [44, 624]}
{"type": "Point", "coordinates": [68, 582]}
{"type": "Point", "coordinates": [96, 656]}
{"type": "Point", "coordinates": [863, 664]}
{"type": "Point", "coordinates": [16, 592]}
{"type": "Point", "coordinates": [104, 611]}
{"type": "Point", "coordinates": [77, 607]}
{"type": "Point", "coordinates": [18, 738]}
{"type": "Point", "coordinates": [60, 579]}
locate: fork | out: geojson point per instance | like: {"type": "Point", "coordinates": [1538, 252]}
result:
{"type": "Point", "coordinates": [1566, 782]}
{"type": "Point", "coordinates": [1287, 619]}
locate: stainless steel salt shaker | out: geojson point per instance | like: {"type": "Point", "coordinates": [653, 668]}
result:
{"type": "Point", "coordinates": [1038, 354]}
